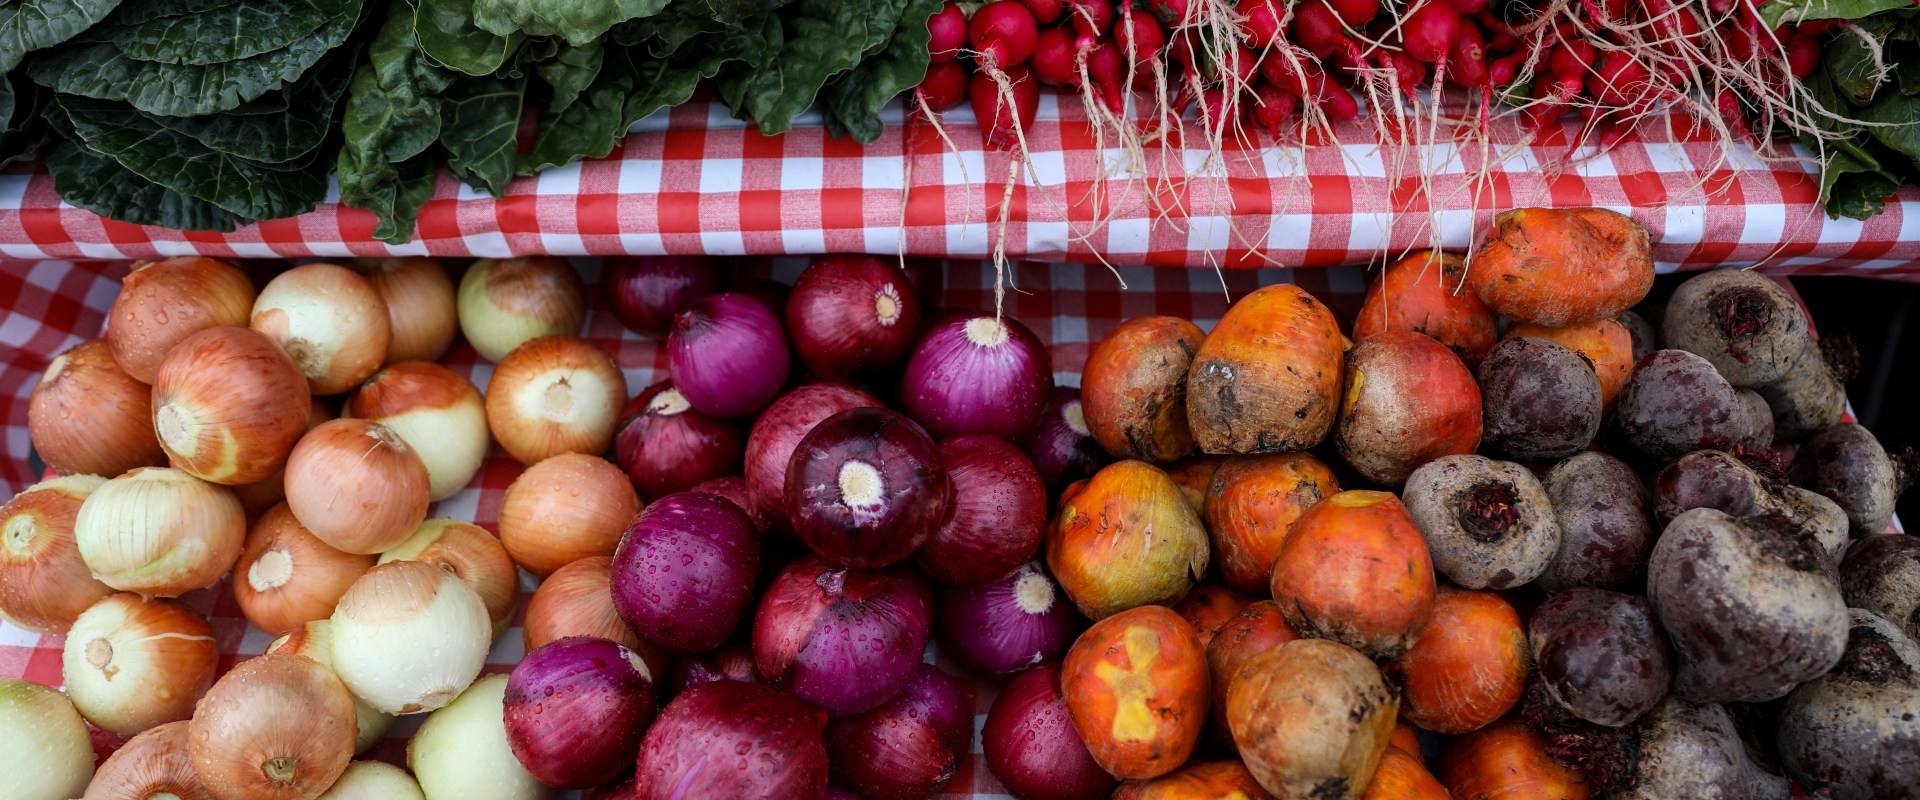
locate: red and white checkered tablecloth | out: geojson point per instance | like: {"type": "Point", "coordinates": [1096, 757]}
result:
{"type": "Point", "coordinates": [694, 180]}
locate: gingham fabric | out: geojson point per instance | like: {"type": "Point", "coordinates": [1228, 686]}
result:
{"type": "Point", "coordinates": [694, 180]}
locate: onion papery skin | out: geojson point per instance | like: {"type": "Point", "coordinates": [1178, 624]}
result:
{"type": "Point", "coordinates": [315, 640]}
{"type": "Point", "coordinates": [277, 727]}
{"type": "Point", "coordinates": [1062, 447]}
{"type": "Point", "coordinates": [409, 637]}
{"type": "Point", "coordinates": [576, 600]}
{"type": "Point", "coordinates": [437, 412]}
{"type": "Point", "coordinates": [733, 489]}
{"type": "Point", "coordinates": [843, 640]}
{"type": "Point", "coordinates": [910, 746]}
{"type": "Point", "coordinates": [44, 585]}
{"type": "Point", "coordinates": [666, 445]}
{"type": "Point", "coordinates": [270, 491]}
{"type": "Point", "coordinates": [576, 709]}
{"type": "Point", "coordinates": [563, 509]}
{"type": "Point", "coordinates": [374, 780]}
{"type": "Point", "coordinates": [228, 406]}
{"type": "Point", "coordinates": [732, 662]}
{"type": "Point", "coordinates": [866, 488]}
{"type": "Point", "coordinates": [39, 719]}
{"type": "Point", "coordinates": [160, 532]}
{"type": "Point", "coordinates": [648, 291]}
{"type": "Point", "coordinates": [730, 740]}
{"type": "Point", "coordinates": [87, 416]}
{"type": "Point", "coordinates": [778, 431]}
{"type": "Point", "coordinates": [357, 485]}
{"type": "Point", "coordinates": [130, 664]}
{"type": "Point", "coordinates": [461, 751]}
{"type": "Point", "coordinates": [329, 320]}
{"type": "Point", "coordinates": [286, 577]}
{"type": "Point", "coordinates": [1030, 743]}
{"type": "Point", "coordinates": [505, 303]}
{"type": "Point", "coordinates": [161, 303]}
{"type": "Point", "coordinates": [153, 763]}
{"type": "Point", "coordinates": [853, 317]}
{"type": "Point", "coordinates": [978, 374]}
{"type": "Point", "coordinates": [1002, 628]}
{"type": "Point", "coordinates": [420, 306]}
{"type": "Point", "coordinates": [996, 516]}
{"type": "Point", "coordinates": [471, 554]}
{"type": "Point", "coordinates": [685, 572]}
{"type": "Point", "coordinates": [554, 395]}
{"type": "Point", "coordinates": [728, 355]}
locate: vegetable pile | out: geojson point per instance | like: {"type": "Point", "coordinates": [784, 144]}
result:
{"type": "Point", "coordinates": [1529, 534]}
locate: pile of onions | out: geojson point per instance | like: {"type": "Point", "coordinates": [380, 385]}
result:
{"type": "Point", "coordinates": [43, 583]}
{"type": "Point", "coordinates": [774, 735]}
{"type": "Point", "coordinates": [277, 727]}
{"type": "Point", "coordinates": [852, 317]}
{"type": "Point", "coordinates": [228, 406]}
{"type": "Point", "coordinates": [910, 746]}
{"type": "Point", "coordinates": [151, 765]}
{"type": "Point", "coordinates": [728, 355]}
{"type": "Point", "coordinates": [733, 662]}
{"type": "Point", "coordinates": [330, 320]}
{"type": "Point", "coordinates": [575, 710]}
{"type": "Point", "coordinates": [409, 637]}
{"type": "Point", "coordinates": [356, 485]}
{"type": "Point", "coordinates": [160, 532]}
{"type": "Point", "coordinates": [1031, 745]}
{"type": "Point", "coordinates": [315, 640]}
{"type": "Point", "coordinates": [685, 572]}
{"type": "Point", "coordinates": [419, 299]}
{"type": "Point", "coordinates": [373, 780]}
{"type": "Point", "coordinates": [667, 446]}
{"type": "Point", "coordinates": [48, 747]}
{"type": "Point", "coordinates": [995, 518]}
{"type": "Point", "coordinates": [130, 664]}
{"type": "Point", "coordinates": [472, 555]}
{"type": "Point", "coordinates": [1004, 627]}
{"type": "Point", "coordinates": [87, 416]}
{"type": "Point", "coordinates": [286, 577]}
{"type": "Point", "coordinates": [437, 412]}
{"type": "Point", "coordinates": [978, 374]}
{"type": "Point", "coordinates": [844, 640]}
{"type": "Point", "coordinates": [865, 488]}
{"type": "Point", "coordinates": [163, 302]}
{"type": "Point", "coordinates": [1062, 447]}
{"type": "Point", "coordinates": [461, 751]}
{"type": "Point", "coordinates": [648, 291]}
{"type": "Point", "coordinates": [563, 509]}
{"type": "Point", "coordinates": [553, 395]}
{"type": "Point", "coordinates": [576, 600]}
{"type": "Point", "coordinates": [780, 428]}
{"type": "Point", "coordinates": [505, 303]}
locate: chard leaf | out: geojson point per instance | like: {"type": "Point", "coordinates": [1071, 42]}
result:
{"type": "Point", "coordinates": [88, 180]}
{"type": "Point", "coordinates": [134, 12]}
{"type": "Point", "coordinates": [480, 127]}
{"type": "Point", "coordinates": [855, 99]}
{"type": "Point", "coordinates": [305, 119]}
{"type": "Point", "coordinates": [397, 202]}
{"type": "Point", "coordinates": [1854, 189]}
{"type": "Point", "coordinates": [823, 38]}
{"type": "Point", "coordinates": [391, 121]}
{"type": "Point", "coordinates": [1900, 115]}
{"type": "Point", "coordinates": [239, 31]}
{"type": "Point", "coordinates": [446, 34]}
{"type": "Point", "coordinates": [570, 73]}
{"type": "Point", "coordinates": [592, 124]}
{"type": "Point", "coordinates": [578, 22]}
{"type": "Point", "coordinates": [29, 25]}
{"type": "Point", "coordinates": [1778, 12]}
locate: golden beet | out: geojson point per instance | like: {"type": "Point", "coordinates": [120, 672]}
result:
{"type": "Point", "coordinates": [1136, 684]}
{"type": "Point", "coordinates": [1127, 539]}
{"type": "Point", "coordinates": [1562, 266]}
{"type": "Point", "coordinates": [1250, 506]}
{"type": "Point", "coordinates": [1426, 293]}
{"type": "Point", "coordinates": [1356, 570]}
{"type": "Point", "coordinates": [1134, 388]}
{"type": "Point", "coordinates": [1311, 719]}
{"type": "Point", "coordinates": [1267, 379]}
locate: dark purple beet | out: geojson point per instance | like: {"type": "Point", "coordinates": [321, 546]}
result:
{"type": "Point", "coordinates": [865, 488]}
{"type": "Point", "coordinates": [575, 710]}
{"type": "Point", "coordinates": [910, 746]}
{"type": "Point", "coordinates": [1601, 654]}
{"type": "Point", "coordinates": [684, 574]}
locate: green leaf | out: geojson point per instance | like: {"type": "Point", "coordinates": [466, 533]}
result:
{"type": "Point", "coordinates": [395, 200]}
{"type": "Point", "coordinates": [856, 98]}
{"type": "Point", "coordinates": [1900, 118]}
{"type": "Point", "coordinates": [1778, 12]}
{"type": "Point", "coordinates": [576, 21]}
{"type": "Point", "coordinates": [29, 25]}
{"type": "Point", "coordinates": [1853, 189]}
{"type": "Point", "coordinates": [569, 74]}
{"type": "Point", "coordinates": [1851, 66]}
{"type": "Point", "coordinates": [305, 119]}
{"type": "Point", "coordinates": [446, 33]}
{"type": "Point", "coordinates": [85, 179]}
{"type": "Point", "coordinates": [232, 33]}
{"type": "Point", "coordinates": [392, 119]}
{"type": "Point", "coordinates": [480, 127]}
{"type": "Point", "coordinates": [592, 124]}
{"type": "Point", "coordinates": [135, 12]}
{"type": "Point", "coordinates": [823, 38]}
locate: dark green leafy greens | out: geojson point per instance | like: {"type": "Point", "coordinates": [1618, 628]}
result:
{"type": "Point", "coordinates": [29, 25]}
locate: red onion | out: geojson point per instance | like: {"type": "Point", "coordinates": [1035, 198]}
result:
{"type": "Point", "coordinates": [575, 710]}
{"type": "Point", "coordinates": [978, 374]}
{"type": "Point", "coordinates": [728, 354]}
{"type": "Point", "coordinates": [1061, 448]}
{"type": "Point", "coordinates": [728, 740]}
{"type": "Point", "coordinates": [733, 489]}
{"type": "Point", "coordinates": [910, 746]}
{"type": "Point", "coordinates": [685, 571]}
{"type": "Point", "coordinates": [667, 446]}
{"type": "Point", "coordinates": [841, 639]}
{"type": "Point", "coordinates": [780, 428]}
{"type": "Point", "coordinates": [1031, 746]}
{"type": "Point", "coordinates": [614, 790]}
{"type": "Point", "coordinates": [649, 290]}
{"type": "Point", "coordinates": [1005, 627]}
{"type": "Point", "coordinates": [995, 516]}
{"type": "Point", "coordinates": [733, 662]}
{"type": "Point", "coordinates": [837, 793]}
{"type": "Point", "coordinates": [771, 294]}
{"type": "Point", "coordinates": [865, 488]}
{"type": "Point", "coordinates": [852, 317]}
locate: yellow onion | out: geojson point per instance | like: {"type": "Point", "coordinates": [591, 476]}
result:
{"type": "Point", "coordinates": [87, 416]}
{"type": "Point", "coordinates": [461, 751]}
{"type": "Point", "coordinates": [270, 491]}
{"type": "Point", "coordinates": [409, 637]}
{"type": "Point", "coordinates": [49, 755]}
{"type": "Point", "coordinates": [160, 532]}
{"type": "Point", "coordinates": [437, 412]}
{"type": "Point", "coordinates": [151, 766]}
{"type": "Point", "coordinates": [228, 406]}
{"type": "Point", "coordinates": [577, 600]}
{"type": "Point", "coordinates": [374, 780]}
{"type": "Point", "coordinates": [330, 320]}
{"type": "Point", "coordinates": [356, 485]}
{"type": "Point", "coordinates": [43, 583]}
{"type": "Point", "coordinates": [315, 640]}
{"type": "Point", "coordinates": [130, 664]}
{"type": "Point", "coordinates": [504, 303]}
{"type": "Point", "coordinates": [419, 298]}
{"type": "Point", "coordinates": [287, 577]}
{"type": "Point", "coordinates": [277, 727]}
{"type": "Point", "coordinates": [162, 303]}
{"type": "Point", "coordinates": [553, 395]}
{"type": "Point", "coordinates": [564, 509]}
{"type": "Point", "coordinates": [467, 551]}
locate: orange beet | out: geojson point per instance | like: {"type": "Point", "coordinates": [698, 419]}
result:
{"type": "Point", "coordinates": [1209, 607]}
{"type": "Point", "coordinates": [1561, 266]}
{"type": "Point", "coordinates": [1401, 776]}
{"type": "Point", "coordinates": [1606, 343]}
{"type": "Point", "coordinates": [1356, 570]}
{"type": "Point", "coordinates": [1469, 668]}
{"type": "Point", "coordinates": [1413, 295]}
{"type": "Point", "coordinates": [1133, 390]}
{"type": "Point", "coordinates": [1136, 684]}
{"type": "Point", "coordinates": [1407, 401]}
{"type": "Point", "coordinates": [1311, 719]}
{"type": "Point", "coordinates": [1251, 503]}
{"type": "Point", "coordinates": [1406, 738]}
{"type": "Point", "coordinates": [1193, 475]}
{"type": "Point", "coordinates": [1256, 629]}
{"type": "Point", "coordinates": [1206, 780]}
{"type": "Point", "coordinates": [1507, 761]}
{"type": "Point", "coordinates": [1267, 379]}
{"type": "Point", "coordinates": [1128, 539]}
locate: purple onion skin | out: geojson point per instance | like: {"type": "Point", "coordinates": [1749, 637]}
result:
{"type": "Point", "coordinates": [780, 428]}
{"type": "Point", "coordinates": [614, 790]}
{"type": "Point", "coordinates": [843, 640]}
{"type": "Point", "coordinates": [907, 748]}
{"type": "Point", "coordinates": [771, 294]}
{"type": "Point", "coordinates": [666, 445]}
{"type": "Point", "coordinates": [996, 515]}
{"type": "Point", "coordinates": [684, 573]}
{"type": "Point", "coordinates": [728, 741]}
{"type": "Point", "coordinates": [733, 662]}
{"type": "Point", "coordinates": [648, 291]}
{"type": "Point", "coordinates": [1031, 746]}
{"type": "Point", "coordinates": [728, 355]}
{"type": "Point", "coordinates": [852, 317]}
{"type": "Point", "coordinates": [865, 488]}
{"type": "Point", "coordinates": [1061, 448]}
{"type": "Point", "coordinates": [575, 709]}
{"type": "Point", "coordinates": [836, 793]}
{"type": "Point", "coordinates": [977, 374]}
{"type": "Point", "coordinates": [733, 489]}
{"type": "Point", "coordinates": [1003, 628]}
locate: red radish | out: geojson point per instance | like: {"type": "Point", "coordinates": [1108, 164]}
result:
{"type": "Point", "coordinates": [1409, 71]}
{"type": "Point", "coordinates": [1091, 19]}
{"type": "Point", "coordinates": [1242, 64]}
{"type": "Point", "coordinates": [1271, 107]}
{"type": "Point", "coordinates": [944, 87]}
{"type": "Point", "coordinates": [1279, 70]}
{"type": "Point", "coordinates": [1359, 12]}
{"type": "Point", "coordinates": [1430, 29]}
{"type": "Point", "coordinates": [1260, 23]}
{"type": "Point", "coordinates": [1803, 55]}
{"type": "Point", "coordinates": [1003, 32]}
{"type": "Point", "coordinates": [1140, 40]}
{"type": "Point", "coordinates": [1171, 13]}
{"type": "Point", "coordinates": [1317, 28]}
{"type": "Point", "coordinates": [1046, 12]}
{"type": "Point", "coordinates": [1500, 41]}
{"type": "Point", "coordinates": [1108, 71]}
{"type": "Point", "coordinates": [1467, 57]}
{"type": "Point", "coordinates": [1054, 59]}
{"type": "Point", "coordinates": [1337, 104]}
{"type": "Point", "coordinates": [1572, 59]}
{"type": "Point", "coordinates": [949, 29]}
{"type": "Point", "coordinates": [1501, 71]}
{"type": "Point", "coordinates": [988, 106]}
{"type": "Point", "coordinates": [1213, 106]}
{"type": "Point", "coordinates": [1620, 80]}
{"type": "Point", "coordinates": [1468, 7]}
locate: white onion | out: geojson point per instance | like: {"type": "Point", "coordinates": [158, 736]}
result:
{"type": "Point", "coordinates": [461, 751]}
{"type": "Point", "coordinates": [374, 780]}
{"type": "Point", "coordinates": [437, 412]}
{"type": "Point", "coordinates": [315, 640]}
{"type": "Point", "coordinates": [504, 303]}
{"type": "Point", "coordinates": [130, 664]}
{"type": "Point", "coordinates": [419, 298]}
{"type": "Point", "coordinates": [330, 320]}
{"type": "Point", "coordinates": [49, 754]}
{"type": "Point", "coordinates": [160, 532]}
{"type": "Point", "coordinates": [409, 637]}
